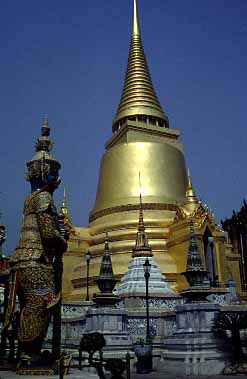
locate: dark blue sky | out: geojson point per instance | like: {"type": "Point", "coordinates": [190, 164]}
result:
{"type": "Point", "coordinates": [68, 58]}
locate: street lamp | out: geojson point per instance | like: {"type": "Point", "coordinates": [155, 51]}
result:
{"type": "Point", "coordinates": [88, 258]}
{"type": "Point", "coordinates": [147, 269]}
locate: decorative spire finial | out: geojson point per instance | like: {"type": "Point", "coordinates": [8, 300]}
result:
{"type": "Point", "coordinates": [45, 120]}
{"type": "Point", "coordinates": [106, 270]}
{"type": "Point", "coordinates": [139, 101]}
{"type": "Point", "coordinates": [107, 243]}
{"type": "Point", "coordinates": [44, 143]}
{"type": "Point", "coordinates": [135, 27]}
{"type": "Point", "coordinates": [188, 174]}
{"type": "Point", "coordinates": [45, 132]}
{"type": "Point", "coordinates": [142, 247]}
{"type": "Point", "coordinates": [141, 226]}
{"type": "Point", "coordinates": [64, 208]}
{"type": "Point", "coordinates": [190, 192]}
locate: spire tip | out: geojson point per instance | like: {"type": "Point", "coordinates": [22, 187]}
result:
{"type": "Point", "coordinates": [190, 192]}
{"type": "Point", "coordinates": [139, 99]}
{"type": "Point", "coordinates": [45, 120]}
{"type": "Point", "coordinates": [135, 28]}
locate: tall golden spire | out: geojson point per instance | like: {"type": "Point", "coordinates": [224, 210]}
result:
{"type": "Point", "coordinates": [139, 101]}
{"type": "Point", "coordinates": [190, 192]}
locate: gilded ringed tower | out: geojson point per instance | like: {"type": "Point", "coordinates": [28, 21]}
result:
{"type": "Point", "coordinates": [142, 141]}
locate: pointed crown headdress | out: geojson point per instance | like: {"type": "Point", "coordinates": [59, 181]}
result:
{"type": "Point", "coordinates": [43, 165]}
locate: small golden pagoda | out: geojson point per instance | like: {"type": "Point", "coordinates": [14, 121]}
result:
{"type": "Point", "coordinates": [210, 238]}
{"type": "Point", "coordinates": [143, 141]}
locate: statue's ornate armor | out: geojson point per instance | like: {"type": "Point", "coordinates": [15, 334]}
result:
{"type": "Point", "coordinates": [40, 236]}
{"type": "Point", "coordinates": [32, 266]}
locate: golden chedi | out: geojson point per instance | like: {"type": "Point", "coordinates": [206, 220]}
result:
{"type": "Point", "coordinates": [142, 141]}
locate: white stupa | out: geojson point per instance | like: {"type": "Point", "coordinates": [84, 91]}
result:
{"type": "Point", "coordinates": [133, 281]}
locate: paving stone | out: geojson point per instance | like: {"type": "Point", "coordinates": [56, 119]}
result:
{"type": "Point", "coordinates": [76, 374]}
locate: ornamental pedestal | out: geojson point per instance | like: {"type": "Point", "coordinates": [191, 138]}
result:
{"type": "Point", "coordinates": [112, 323]}
{"type": "Point", "coordinates": [193, 349]}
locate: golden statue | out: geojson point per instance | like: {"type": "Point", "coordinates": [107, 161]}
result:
{"type": "Point", "coordinates": [41, 244]}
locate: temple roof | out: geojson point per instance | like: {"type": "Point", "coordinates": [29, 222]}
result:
{"type": "Point", "coordinates": [138, 96]}
{"type": "Point", "coordinates": [192, 207]}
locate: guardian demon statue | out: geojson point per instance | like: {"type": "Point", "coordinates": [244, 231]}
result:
{"type": "Point", "coordinates": [41, 242]}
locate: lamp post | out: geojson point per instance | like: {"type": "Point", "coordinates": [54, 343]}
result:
{"type": "Point", "coordinates": [147, 269]}
{"type": "Point", "coordinates": [88, 258]}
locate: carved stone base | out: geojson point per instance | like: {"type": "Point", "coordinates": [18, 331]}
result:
{"type": "Point", "coordinates": [43, 367]}
{"type": "Point", "coordinates": [112, 323]}
{"type": "Point", "coordinates": [40, 366]}
{"type": "Point", "coordinates": [193, 349]}
{"type": "Point", "coordinates": [106, 299]}
{"type": "Point", "coordinates": [35, 372]}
